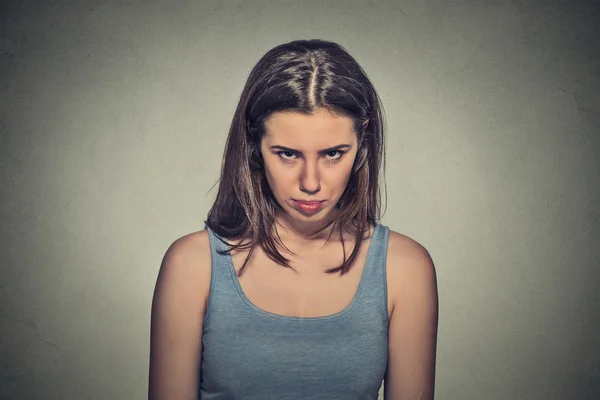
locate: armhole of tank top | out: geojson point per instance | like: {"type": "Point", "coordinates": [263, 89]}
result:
{"type": "Point", "coordinates": [386, 240]}
{"type": "Point", "coordinates": [209, 300]}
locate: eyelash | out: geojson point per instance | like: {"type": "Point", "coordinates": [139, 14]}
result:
{"type": "Point", "coordinates": [340, 152]}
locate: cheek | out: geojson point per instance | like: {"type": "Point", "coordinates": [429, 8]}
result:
{"type": "Point", "coordinates": [344, 170]}
{"type": "Point", "coordinates": [335, 178]}
{"type": "Point", "coordinates": [275, 176]}
{"type": "Point", "coordinates": [338, 179]}
{"type": "Point", "coordinates": [272, 184]}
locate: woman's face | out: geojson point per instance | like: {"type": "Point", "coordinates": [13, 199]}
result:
{"type": "Point", "coordinates": [308, 158]}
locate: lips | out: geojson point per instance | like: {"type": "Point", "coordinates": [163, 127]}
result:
{"type": "Point", "coordinates": [308, 206]}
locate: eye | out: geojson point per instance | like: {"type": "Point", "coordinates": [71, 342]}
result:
{"type": "Point", "coordinates": [334, 155]}
{"type": "Point", "coordinates": [286, 155]}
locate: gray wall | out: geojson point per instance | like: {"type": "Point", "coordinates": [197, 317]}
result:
{"type": "Point", "coordinates": [113, 120]}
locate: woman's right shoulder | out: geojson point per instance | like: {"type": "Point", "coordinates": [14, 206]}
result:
{"type": "Point", "coordinates": [189, 249]}
{"type": "Point", "coordinates": [178, 309]}
{"type": "Point", "coordinates": [186, 265]}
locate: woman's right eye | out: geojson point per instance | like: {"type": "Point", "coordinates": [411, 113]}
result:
{"type": "Point", "coordinates": [286, 155]}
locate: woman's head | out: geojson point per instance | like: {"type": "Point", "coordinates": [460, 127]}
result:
{"type": "Point", "coordinates": [305, 96]}
{"type": "Point", "coordinates": [307, 157]}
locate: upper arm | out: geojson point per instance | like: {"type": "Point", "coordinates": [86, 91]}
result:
{"type": "Point", "coordinates": [178, 308]}
{"type": "Point", "coordinates": [413, 322]}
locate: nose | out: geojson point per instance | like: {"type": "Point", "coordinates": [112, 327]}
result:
{"type": "Point", "coordinates": [310, 180]}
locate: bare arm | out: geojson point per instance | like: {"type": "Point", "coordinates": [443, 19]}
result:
{"type": "Point", "coordinates": [413, 322]}
{"type": "Point", "coordinates": [178, 308]}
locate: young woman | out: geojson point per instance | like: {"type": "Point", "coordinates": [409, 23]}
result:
{"type": "Point", "coordinates": [293, 290]}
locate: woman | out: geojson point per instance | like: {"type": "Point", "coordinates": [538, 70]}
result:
{"type": "Point", "coordinates": [294, 290]}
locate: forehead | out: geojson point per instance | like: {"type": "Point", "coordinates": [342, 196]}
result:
{"type": "Point", "coordinates": [322, 127]}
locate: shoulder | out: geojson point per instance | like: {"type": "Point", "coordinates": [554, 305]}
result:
{"type": "Point", "coordinates": [410, 270]}
{"type": "Point", "coordinates": [413, 320]}
{"type": "Point", "coordinates": [403, 249]}
{"type": "Point", "coordinates": [177, 317]}
{"type": "Point", "coordinates": [186, 268]}
{"type": "Point", "coordinates": [188, 250]}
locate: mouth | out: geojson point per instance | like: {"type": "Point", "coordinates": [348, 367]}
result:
{"type": "Point", "coordinates": [308, 206]}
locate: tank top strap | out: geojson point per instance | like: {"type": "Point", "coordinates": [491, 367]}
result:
{"type": "Point", "coordinates": [222, 290]}
{"type": "Point", "coordinates": [219, 262]}
{"type": "Point", "coordinates": [373, 291]}
{"type": "Point", "coordinates": [377, 253]}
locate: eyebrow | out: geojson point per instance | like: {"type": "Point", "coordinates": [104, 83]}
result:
{"type": "Point", "coordinates": [338, 147]}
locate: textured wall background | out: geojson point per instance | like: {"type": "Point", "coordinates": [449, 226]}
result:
{"type": "Point", "coordinates": [113, 117]}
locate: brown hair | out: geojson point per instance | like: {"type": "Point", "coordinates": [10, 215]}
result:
{"type": "Point", "coordinates": [300, 76]}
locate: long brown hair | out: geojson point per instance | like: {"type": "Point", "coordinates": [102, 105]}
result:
{"type": "Point", "coordinates": [300, 76]}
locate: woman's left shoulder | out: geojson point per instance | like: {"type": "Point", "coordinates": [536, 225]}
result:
{"type": "Point", "coordinates": [408, 263]}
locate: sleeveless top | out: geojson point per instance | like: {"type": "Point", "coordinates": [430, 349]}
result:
{"type": "Point", "coordinates": [249, 353]}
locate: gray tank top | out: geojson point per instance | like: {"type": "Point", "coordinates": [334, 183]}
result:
{"type": "Point", "coordinates": [249, 353]}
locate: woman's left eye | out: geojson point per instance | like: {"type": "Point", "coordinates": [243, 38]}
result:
{"type": "Point", "coordinates": [335, 154]}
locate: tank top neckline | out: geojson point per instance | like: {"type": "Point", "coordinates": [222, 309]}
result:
{"type": "Point", "coordinates": [344, 311]}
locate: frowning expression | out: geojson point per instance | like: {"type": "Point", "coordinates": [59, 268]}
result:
{"type": "Point", "coordinates": [308, 158]}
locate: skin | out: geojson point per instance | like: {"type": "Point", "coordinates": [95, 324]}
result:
{"type": "Point", "coordinates": [182, 288]}
{"type": "Point", "coordinates": [304, 161]}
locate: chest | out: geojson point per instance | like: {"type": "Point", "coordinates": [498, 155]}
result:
{"type": "Point", "coordinates": [307, 292]}
{"type": "Point", "coordinates": [342, 358]}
